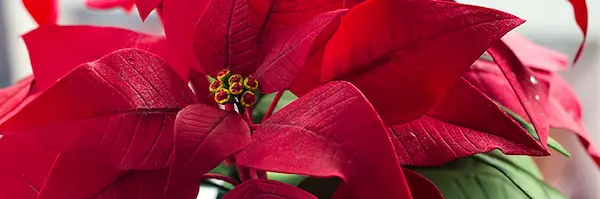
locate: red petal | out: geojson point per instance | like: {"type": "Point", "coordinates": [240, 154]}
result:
{"type": "Point", "coordinates": [421, 187]}
{"type": "Point", "coordinates": [332, 131]}
{"type": "Point", "coordinates": [200, 85]}
{"type": "Point", "coordinates": [56, 50]}
{"type": "Point", "coordinates": [44, 12]}
{"type": "Point", "coordinates": [23, 167]}
{"type": "Point", "coordinates": [138, 184]}
{"type": "Point", "coordinates": [581, 17]}
{"type": "Point", "coordinates": [145, 7]}
{"type": "Point", "coordinates": [287, 50]}
{"type": "Point", "coordinates": [13, 98]}
{"type": "Point", "coordinates": [282, 13]}
{"type": "Point", "coordinates": [204, 137]}
{"type": "Point", "coordinates": [463, 123]}
{"type": "Point", "coordinates": [267, 189]}
{"type": "Point", "coordinates": [535, 56]}
{"type": "Point", "coordinates": [179, 20]}
{"type": "Point", "coordinates": [120, 110]}
{"type": "Point", "coordinates": [389, 56]}
{"type": "Point", "coordinates": [226, 37]}
{"type": "Point", "coordinates": [531, 94]}
{"type": "Point", "coordinates": [309, 76]}
{"type": "Point", "coordinates": [563, 109]}
{"type": "Point", "coordinates": [90, 175]}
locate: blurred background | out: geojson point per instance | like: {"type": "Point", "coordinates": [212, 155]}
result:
{"type": "Point", "coordinates": [549, 23]}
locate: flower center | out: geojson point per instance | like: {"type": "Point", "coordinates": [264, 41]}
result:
{"type": "Point", "coordinates": [228, 87]}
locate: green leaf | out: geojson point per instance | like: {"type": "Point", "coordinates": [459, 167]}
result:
{"type": "Point", "coordinates": [265, 101]}
{"type": "Point", "coordinates": [490, 176]}
{"type": "Point", "coordinates": [552, 143]}
{"type": "Point", "coordinates": [290, 179]}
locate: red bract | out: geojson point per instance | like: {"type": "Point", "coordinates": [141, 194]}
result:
{"type": "Point", "coordinates": [332, 131]}
{"type": "Point", "coordinates": [529, 93]}
{"type": "Point", "coordinates": [44, 12]}
{"type": "Point", "coordinates": [204, 137]}
{"type": "Point", "coordinates": [562, 110]}
{"type": "Point", "coordinates": [267, 189]}
{"type": "Point", "coordinates": [389, 56]}
{"type": "Point", "coordinates": [266, 43]}
{"type": "Point", "coordinates": [108, 120]}
{"type": "Point", "coordinates": [145, 7]}
{"type": "Point", "coordinates": [581, 17]}
{"type": "Point", "coordinates": [14, 97]}
{"type": "Point", "coordinates": [56, 50]}
{"type": "Point", "coordinates": [407, 69]}
{"type": "Point", "coordinates": [23, 167]}
{"type": "Point", "coordinates": [451, 130]}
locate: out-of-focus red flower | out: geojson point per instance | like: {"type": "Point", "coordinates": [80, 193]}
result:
{"type": "Point", "coordinates": [44, 12]}
{"type": "Point", "coordinates": [563, 109]}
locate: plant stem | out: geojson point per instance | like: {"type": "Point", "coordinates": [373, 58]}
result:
{"type": "Point", "coordinates": [248, 116]}
{"type": "Point", "coordinates": [273, 105]}
{"type": "Point", "coordinates": [221, 177]}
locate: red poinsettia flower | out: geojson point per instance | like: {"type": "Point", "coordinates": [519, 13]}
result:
{"type": "Point", "coordinates": [332, 131]}
{"type": "Point", "coordinates": [562, 110]}
{"type": "Point", "coordinates": [411, 73]}
{"type": "Point", "coordinates": [105, 128]}
{"type": "Point", "coordinates": [44, 12]}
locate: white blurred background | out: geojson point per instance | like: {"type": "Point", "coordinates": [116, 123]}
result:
{"type": "Point", "coordinates": [549, 23]}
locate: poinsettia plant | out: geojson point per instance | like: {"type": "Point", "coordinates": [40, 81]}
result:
{"type": "Point", "coordinates": [285, 99]}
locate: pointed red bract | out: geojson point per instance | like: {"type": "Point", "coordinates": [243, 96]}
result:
{"type": "Point", "coordinates": [199, 83]}
{"type": "Point", "coordinates": [23, 167]}
{"type": "Point", "coordinates": [44, 12]}
{"type": "Point", "coordinates": [332, 131]}
{"type": "Point", "coordinates": [273, 37]}
{"type": "Point", "coordinates": [204, 137]}
{"type": "Point", "coordinates": [409, 53]}
{"type": "Point", "coordinates": [138, 184]}
{"type": "Point", "coordinates": [533, 55]}
{"type": "Point", "coordinates": [119, 110]}
{"type": "Point", "coordinates": [56, 50]}
{"type": "Point", "coordinates": [463, 123]}
{"type": "Point", "coordinates": [179, 20]}
{"type": "Point", "coordinates": [13, 98]}
{"type": "Point", "coordinates": [267, 189]}
{"type": "Point", "coordinates": [145, 7]}
{"type": "Point", "coordinates": [530, 93]}
{"type": "Point", "coordinates": [227, 36]}
{"type": "Point", "coordinates": [581, 17]}
{"type": "Point", "coordinates": [287, 53]}
{"type": "Point", "coordinates": [563, 110]}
